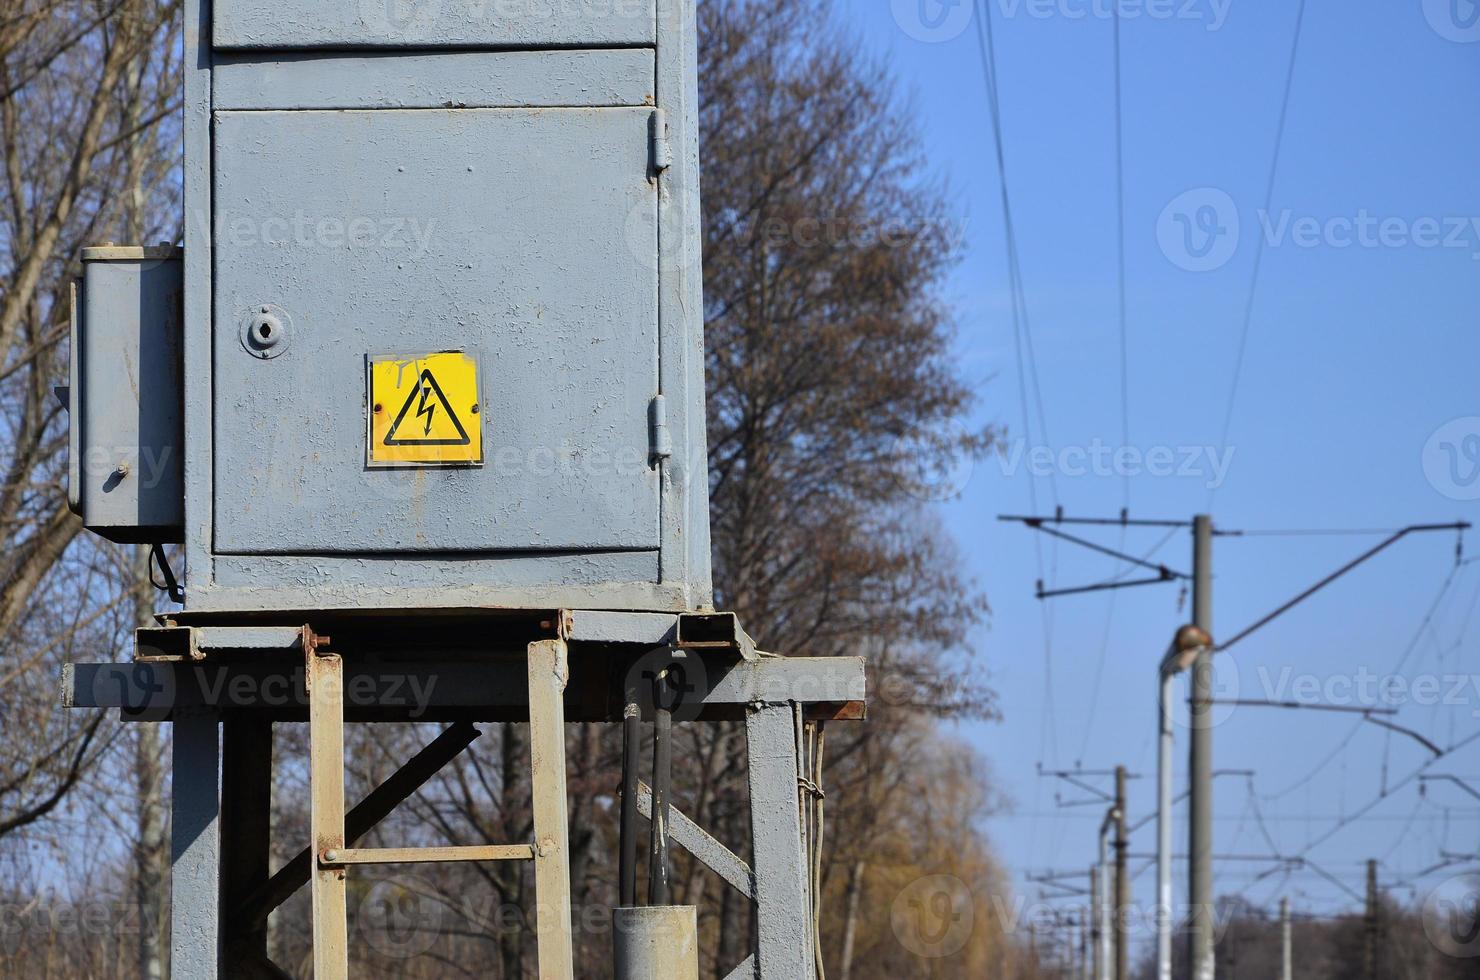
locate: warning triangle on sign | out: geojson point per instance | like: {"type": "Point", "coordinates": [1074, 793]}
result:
{"type": "Point", "coordinates": [432, 421]}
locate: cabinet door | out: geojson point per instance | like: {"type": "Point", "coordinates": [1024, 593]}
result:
{"type": "Point", "coordinates": [525, 238]}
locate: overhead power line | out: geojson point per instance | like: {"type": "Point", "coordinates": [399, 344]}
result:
{"type": "Point", "coordinates": [1298, 532]}
{"type": "Point", "coordinates": [1041, 524]}
{"type": "Point", "coordinates": [1274, 166]}
{"type": "Point", "coordinates": [1447, 778]}
{"type": "Point", "coordinates": [1123, 521]}
{"type": "Point", "coordinates": [1366, 555]}
{"type": "Point", "coordinates": [1125, 384]}
{"type": "Point", "coordinates": [1025, 356]}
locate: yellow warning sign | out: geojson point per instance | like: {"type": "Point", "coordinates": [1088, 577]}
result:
{"type": "Point", "coordinates": [424, 411]}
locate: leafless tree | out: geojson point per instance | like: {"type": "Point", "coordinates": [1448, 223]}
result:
{"type": "Point", "coordinates": [88, 98]}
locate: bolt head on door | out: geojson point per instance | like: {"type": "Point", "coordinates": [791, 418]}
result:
{"type": "Point", "coordinates": [265, 331]}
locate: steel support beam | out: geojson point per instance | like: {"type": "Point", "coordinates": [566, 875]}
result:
{"type": "Point", "coordinates": [250, 677]}
{"type": "Point", "coordinates": [548, 673]}
{"type": "Point", "coordinates": [745, 971]}
{"type": "Point", "coordinates": [326, 813]}
{"type": "Point", "coordinates": [195, 845]}
{"type": "Point", "coordinates": [826, 687]}
{"type": "Point", "coordinates": [784, 936]}
{"type": "Point", "coordinates": [246, 824]}
{"type": "Point", "coordinates": [698, 842]}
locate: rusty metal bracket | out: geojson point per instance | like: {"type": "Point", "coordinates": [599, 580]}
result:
{"type": "Point", "coordinates": [716, 630]}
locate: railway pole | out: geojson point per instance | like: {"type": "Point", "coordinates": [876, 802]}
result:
{"type": "Point", "coordinates": [1200, 823]}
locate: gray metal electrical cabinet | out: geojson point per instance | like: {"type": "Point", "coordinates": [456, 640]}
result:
{"type": "Point", "coordinates": [443, 324]}
{"type": "Point", "coordinates": [125, 435]}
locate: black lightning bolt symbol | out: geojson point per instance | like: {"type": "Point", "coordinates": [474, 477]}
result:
{"type": "Point", "coordinates": [422, 408]}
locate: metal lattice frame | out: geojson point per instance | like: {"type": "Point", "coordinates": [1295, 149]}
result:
{"type": "Point", "coordinates": [546, 668]}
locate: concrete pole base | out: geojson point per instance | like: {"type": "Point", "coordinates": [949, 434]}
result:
{"type": "Point", "coordinates": [658, 942]}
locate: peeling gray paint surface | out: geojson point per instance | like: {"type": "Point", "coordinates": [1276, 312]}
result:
{"type": "Point", "coordinates": [460, 23]}
{"type": "Point", "coordinates": [425, 80]}
{"type": "Point", "coordinates": [195, 846]}
{"type": "Point", "coordinates": [782, 925]}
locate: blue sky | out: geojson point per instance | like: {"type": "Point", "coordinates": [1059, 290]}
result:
{"type": "Point", "coordinates": [1362, 348]}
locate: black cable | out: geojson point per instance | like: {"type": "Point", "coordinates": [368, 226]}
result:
{"type": "Point", "coordinates": [1111, 552]}
{"type": "Point", "coordinates": [1274, 164]}
{"type": "Point", "coordinates": [1105, 646]}
{"type": "Point", "coordinates": [1412, 776]}
{"type": "Point", "coordinates": [1325, 761]}
{"type": "Point", "coordinates": [1123, 520]}
{"type": "Point", "coordinates": [1125, 397]}
{"type": "Point", "coordinates": [1022, 327]}
{"type": "Point", "coordinates": [1259, 819]}
{"type": "Point", "coordinates": [1022, 339]}
{"type": "Point", "coordinates": [1403, 833]}
{"type": "Point", "coordinates": [1304, 532]}
{"type": "Point", "coordinates": [170, 585]}
{"type": "Point", "coordinates": [1343, 570]}
{"type": "Point", "coordinates": [1424, 623]}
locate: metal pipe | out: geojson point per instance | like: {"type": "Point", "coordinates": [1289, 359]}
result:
{"type": "Point", "coordinates": [1187, 646]}
{"type": "Point", "coordinates": [1122, 882]}
{"type": "Point", "coordinates": [627, 844]}
{"type": "Point", "coordinates": [1096, 914]}
{"type": "Point", "coordinates": [1164, 829]}
{"type": "Point", "coordinates": [1369, 924]}
{"type": "Point", "coordinates": [1106, 880]}
{"type": "Point", "coordinates": [1084, 968]}
{"type": "Point", "coordinates": [1286, 971]}
{"type": "Point", "coordinates": [1200, 816]}
{"type": "Point", "coordinates": [662, 779]}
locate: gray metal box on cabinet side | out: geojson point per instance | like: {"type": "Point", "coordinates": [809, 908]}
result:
{"type": "Point", "coordinates": [513, 199]}
{"type": "Point", "coordinates": [125, 430]}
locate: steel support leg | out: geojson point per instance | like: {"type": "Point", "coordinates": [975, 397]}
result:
{"type": "Point", "coordinates": [246, 820]}
{"type": "Point", "coordinates": [548, 672]}
{"type": "Point", "coordinates": [783, 930]}
{"type": "Point", "coordinates": [195, 849]}
{"type": "Point", "coordinates": [324, 678]}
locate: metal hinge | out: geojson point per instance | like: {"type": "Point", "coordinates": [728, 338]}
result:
{"type": "Point", "coordinates": [660, 150]}
{"type": "Point", "coordinates": [660, 443]}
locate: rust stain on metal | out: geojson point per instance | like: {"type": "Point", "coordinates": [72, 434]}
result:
{"type": "Point", "coordinates": [849, 711]}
